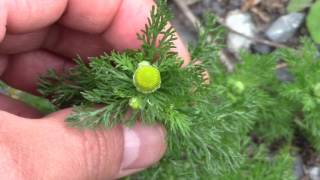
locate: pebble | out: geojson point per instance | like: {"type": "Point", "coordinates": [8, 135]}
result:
{"type": "Point", "coordinates": [314, 173]}
{"type": "Point", "coordinates": [298, 167]}
{"type": "Point", "coordinates": [261, 48]}
{"type": "Point", "coordinates": [284, 27]}
{"type": "Point", "coordinates": [242, 23]}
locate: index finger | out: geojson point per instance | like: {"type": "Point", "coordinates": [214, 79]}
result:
{"type": "Point", "coordinates": [117, 20]}
{"type": "Point", "coordinates": [120, 33]}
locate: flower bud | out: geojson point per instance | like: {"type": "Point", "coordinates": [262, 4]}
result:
{"type": "Point", "coordinates": [147, 78]}
{"type": "Point", "coordinates": [237, 86]}
{"type": "Point", "coordinates": [135, 103]}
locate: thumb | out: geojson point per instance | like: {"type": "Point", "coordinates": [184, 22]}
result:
{"type": "Point", "coordinates": [103, 153]}
{"type": "Point", "coordinates": [115, 152]}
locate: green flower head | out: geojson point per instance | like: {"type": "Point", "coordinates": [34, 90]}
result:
{"type": "Point", "coordinates": [135, 103]}
{"type": "Point", "coordinates": [147, 78]}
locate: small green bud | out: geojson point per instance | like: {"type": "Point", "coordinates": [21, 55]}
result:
{"type": "Point", "coordinates": [135, 103]}
{"type": "Point", "coordinates": [316, 90]}
{"type": "Point", "coordinates": [147, 78]}
{"type": "Point", "coordinates": [237, 86]}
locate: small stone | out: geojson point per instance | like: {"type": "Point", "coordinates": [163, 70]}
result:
{"type": "Point", "coordinates": [298, 167]}
{"type": "Point", "coordinates": [261, 48]}
{"type": "Point", "coordinates": [284, 27]}
{"type": "Point", "coordinates": [314, 173]}
{"type": "Point", "coordinates": [240, 22]}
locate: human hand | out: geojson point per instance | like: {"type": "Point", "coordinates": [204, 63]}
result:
{"type": "Point", "coordinates": [37, 35]}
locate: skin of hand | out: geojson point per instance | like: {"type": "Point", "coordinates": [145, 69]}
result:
{"type": "Point", "coordinates": [36, 35]}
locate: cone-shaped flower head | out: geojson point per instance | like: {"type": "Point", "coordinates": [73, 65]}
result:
{"type": "Point", "coordinates": [147, 78]}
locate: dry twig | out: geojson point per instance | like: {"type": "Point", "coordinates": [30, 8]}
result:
{"type": "Point", "coordinates": [254, 39]}
{"type": "Point", "coordinates": [187, 12]}
{"type": "Point", "coordinates": [195, 22]}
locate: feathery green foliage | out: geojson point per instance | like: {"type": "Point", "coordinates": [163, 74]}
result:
{"type": "Point", "coordinates": [204, 138]}
{"type": "Point", "coordinates": [281, 91]}
{"type": "Point", "coordinates": [280, 100]}
{"type": "Point", "coordinates": [252, 89]}
{"type": "Point", "coordinates": [208, 120]}
{"type": "Point", "coordinates": [302, 93]}
{"type": "Point", "coordinates": [219, 133]}
{"type": "Point", "coordinates": [264, 165]}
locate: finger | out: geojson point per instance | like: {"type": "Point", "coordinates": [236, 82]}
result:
{"type": "Point", "coordinates": [120, 33]}
{"type": "Point", "coordinates": [152, 146]}
{"type": "Point", "coordinates": [72, 43]}
{"type": "Point", "coordinates": [18, 108]}
{"type": "Point", "coordinates": [58, 39]}
{"type": "Point", "coordinates": [129, 20]}
{"type": "Point", "coordinates": [95, 19]}
{"type": "Point", "coordinates": [124, 173]}
{"type": "Point", "coordinates": [182, 51]}
{"type": "Point", "coordinates": [19, 43]}
{"type": "Point", "coordinates": [30, 15]}
{"type": "Point", "coordinates": [23, 69]}
{"type": "Point", "coordinates": [3, 19]}
{"type": "Point", "coordinates": [3, 63]}
{"type": "Point", "coordinates": [114, 152]}
{"type": "Point", "coordinates": [23, 16]}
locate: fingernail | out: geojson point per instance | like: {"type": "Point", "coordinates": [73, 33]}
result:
{"type": "Point", "coordinates": [143, 146]}
{"type": "Point", "coordinates": [131, 147]}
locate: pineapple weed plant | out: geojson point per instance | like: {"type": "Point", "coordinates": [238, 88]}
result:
{"type": "Point", "coordinates": [208, 120]}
